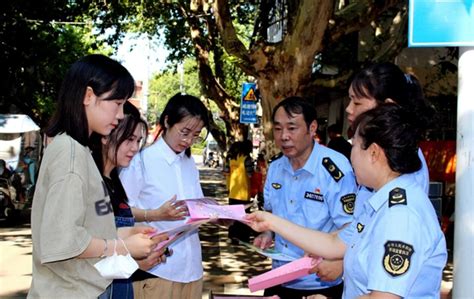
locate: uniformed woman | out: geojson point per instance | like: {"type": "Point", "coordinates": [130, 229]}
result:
{"type": "Point", "coordinates": [394, 248]}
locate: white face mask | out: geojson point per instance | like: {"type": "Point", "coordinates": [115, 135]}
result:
{"type": "Point", "coordinates": [117, 266]}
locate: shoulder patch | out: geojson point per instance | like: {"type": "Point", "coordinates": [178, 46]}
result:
{"type": "Point", "coordinates": [397, 196]}
{"type": "Point", "coordinates": [276, 186]}
{"type": "Point", "coordinates": [275, 157]}
{"type": "Point", "coordinates": [397, 257]}
{"type": "Point", "coordinates": [333, 170]}
{"type": "Point", "coordinates": [348, 203]}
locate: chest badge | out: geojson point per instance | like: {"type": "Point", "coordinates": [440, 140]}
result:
{"type": "Point", "coordinates": [397, 197]}
{"type": "Point", "coordinates": [276, 186]}
{"type": "Point", "coordinates": [348, 203]}
{"type": "Point", "coordinates": [397, 257]}
{"type": "Point", "coordinates": [360, 227]}
{"type": "Point", "coordinates": [316, 196]}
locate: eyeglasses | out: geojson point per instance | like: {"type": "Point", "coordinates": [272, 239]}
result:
{"type": "Point", "coordinates": [186, 136]}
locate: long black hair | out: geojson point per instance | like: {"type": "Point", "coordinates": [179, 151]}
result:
{"type": "Point", "coordinates": [98, 72]}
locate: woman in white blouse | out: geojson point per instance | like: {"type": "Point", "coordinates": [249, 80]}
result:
{"type": "Point", "coordinates": [162, 171]}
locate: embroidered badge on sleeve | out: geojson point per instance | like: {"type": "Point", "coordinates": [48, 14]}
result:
{"type": "Point", "coordinates": [397, 197]}
{"type": "Point", "coordinates": [397, 257]}
{"type": "Point", "coordinates": [333, 170]}
{"type": "Point", "coordinates": [348, 203]}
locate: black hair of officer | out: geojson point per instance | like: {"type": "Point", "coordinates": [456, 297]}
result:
{"type": "Point", "coordinates": [396, 130]}
{"type": "Point", "coordinates": [297, 105]}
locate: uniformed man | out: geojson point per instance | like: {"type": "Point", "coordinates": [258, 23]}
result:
{"type": "Point", "coordinates": [310, 185]}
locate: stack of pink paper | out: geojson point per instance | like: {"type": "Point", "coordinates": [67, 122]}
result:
{"type": "Point", "coordinates": [285, 273]}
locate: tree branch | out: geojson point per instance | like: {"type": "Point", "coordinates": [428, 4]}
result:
{"type": "Point", "coordinates": [230, 40]}
{"type": "Point", "coordinates": [354, 17]}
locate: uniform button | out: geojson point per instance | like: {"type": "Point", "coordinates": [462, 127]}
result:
{"type": "Point", "coordinates": [296, 178]}
{"type": "Point", "coordinates": [291, 200]}
{"type": "Point", "coordinates": [286, 245]}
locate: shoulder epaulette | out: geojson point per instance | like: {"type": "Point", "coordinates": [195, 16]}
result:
{"type": "Point", "coordinates": [332, 168]}
{"type": "Point", "coordinates": [275, 157]}
{"type": "Point", "coordinates": [397, 196]}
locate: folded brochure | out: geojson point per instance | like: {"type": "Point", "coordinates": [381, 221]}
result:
{"type": "Point", "coordinates": [177, 232]}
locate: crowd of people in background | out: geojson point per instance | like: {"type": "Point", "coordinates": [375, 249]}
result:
{"type": "Point", "coordinates": [100, 192]}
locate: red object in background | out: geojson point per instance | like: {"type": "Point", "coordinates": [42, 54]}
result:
{"type": "Point", "coordinates": [441, 159]}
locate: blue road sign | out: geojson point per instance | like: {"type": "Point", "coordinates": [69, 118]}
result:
{"type": "Point", "coordinates": [441, 23]}
{"type": "Point", "coordinates": [248, 104]}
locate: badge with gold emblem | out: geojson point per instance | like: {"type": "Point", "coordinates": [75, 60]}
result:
{"type": "Point", "coordinates": [348, 203]}
{"type": "Point", "coordinates": [397, 257]}
{"type": "Point", "coordinates": [360, 227]}
{"type": "Point", "coordinates": [276, 186]}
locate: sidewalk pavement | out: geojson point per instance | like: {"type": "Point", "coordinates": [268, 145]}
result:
{"type": "Point", "coordinates": [227, 267]}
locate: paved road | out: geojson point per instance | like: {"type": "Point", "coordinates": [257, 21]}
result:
{"type": "Point", "coordinates": [15, 261]}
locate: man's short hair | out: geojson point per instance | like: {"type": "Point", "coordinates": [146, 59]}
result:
{"type": "Point", "coordinates": [297, 105]}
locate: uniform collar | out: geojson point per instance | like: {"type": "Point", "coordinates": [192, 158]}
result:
{"type": "Point", "coordinates": [310, 165]}
{"type": "Point", "coordinates": [380, 198]}
{"type": "Point", "coordinates": [169, 155]}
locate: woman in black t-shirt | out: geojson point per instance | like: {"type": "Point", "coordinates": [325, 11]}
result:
{"type": "Point", "coordinates": [111, 153]}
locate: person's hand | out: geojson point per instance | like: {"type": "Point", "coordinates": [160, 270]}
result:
{"type": "Point", "coordinates": [171, 210]}
{"type": "Point", "coordinates": [155, 258]}
{"type": "Point", "coordinates": [139, 245]}
{"type": "Point", "coordinates": [264, 240]}
{"type": "Point", "coordinates": [259, 221]}
{"type": "Point", "coordinates": [125, 232]}
{"type": "Point", "coordinates": [328, 270]}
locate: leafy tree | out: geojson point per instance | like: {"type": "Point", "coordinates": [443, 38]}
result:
{"type": "Point", "coordinates": [315, 34]}
{"type": "Point", "coordinates": [40, 40]}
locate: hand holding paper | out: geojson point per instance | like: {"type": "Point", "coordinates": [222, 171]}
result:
{"type": "Point", "coordinates": [177, 232]}
{"type": "Point", "coordinates": [173, 210]}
